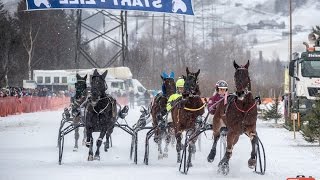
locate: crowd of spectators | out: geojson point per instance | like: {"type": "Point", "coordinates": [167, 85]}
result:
{"type": "Point", "coordinates": [40, 92]}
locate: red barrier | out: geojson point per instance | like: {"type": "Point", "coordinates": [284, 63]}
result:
{"type": "Point", "coordinates": [122, 101]}
{"type": "Point", "coordinates": [14, 105]}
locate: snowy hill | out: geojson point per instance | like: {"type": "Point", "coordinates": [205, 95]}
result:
{"type": "Point", "coordinates": [218, 17]}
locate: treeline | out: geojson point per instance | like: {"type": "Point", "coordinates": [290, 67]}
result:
{"type": "Point", "coordinates": [36, 40]}
{"type": "Point", "coordinates": [47, 40]}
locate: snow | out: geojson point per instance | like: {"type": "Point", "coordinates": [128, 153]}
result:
{"type": "Point", "coordinates": [28, 151]}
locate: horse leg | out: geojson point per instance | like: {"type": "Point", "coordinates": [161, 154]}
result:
{"type": "Point", "coordinates": [178, 146]}
{"type": "Point", "coordinates": [84, 136]}
{"type": "Point", "coordinates": [89, 144]}
{"type": "Point", "coordinates": [168, 139]}
{"type": "Point", "coordinates": [216, 134]}
{"type": "Point", "coordinates": [107, 143]}
{"type": "Point", "coordinates": [98, 143]}
{"type": "Point", "coordinates": [223, 165]}
{"type": "Point", "coordinates": [157, 135]}
{"type": "Point", "coordinates": [76, 138]}
{"type": "Point", "coordinates": [160, 155]}
{"type": "Point", "coordinates": [252, 162]}
{"type": "Point", "coordinates": [192, 150]}
{"type": "Point", "coordinates": [212, 153]}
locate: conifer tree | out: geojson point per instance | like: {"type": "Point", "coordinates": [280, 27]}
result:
{"type": "Point", "coordinates": [273, 112]}
{"type": "Point", "coordinates": [311, 129]}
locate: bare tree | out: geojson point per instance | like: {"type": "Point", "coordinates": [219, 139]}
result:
{"type": "Point", "coordinates": [29, 25]}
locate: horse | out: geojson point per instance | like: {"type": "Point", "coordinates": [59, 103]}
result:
{"type": "Point", "coordinates": [100, 115]}
{"type": "Point", "coordinates": [76, 101]}
{"type": "Point", "coordinates": [158, 110]}
{"type": "Point", "coordinates": [178, 4]}
{"type": "Point", "coordinates": [239, 115]}
{"type": "Point", "coordinates": [186, 110]}
{"type": "Point", "coordinates": [75, 116]}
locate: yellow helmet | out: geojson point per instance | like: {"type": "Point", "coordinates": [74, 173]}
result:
{"type": "Point", "coordinates": [180, 83]}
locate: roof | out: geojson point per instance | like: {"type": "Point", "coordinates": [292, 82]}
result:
{"type": "Point", "coordinates": [113, 72]}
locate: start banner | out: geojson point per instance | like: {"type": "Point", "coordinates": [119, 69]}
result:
{"type": "Point", "coordinates": [165, 6]}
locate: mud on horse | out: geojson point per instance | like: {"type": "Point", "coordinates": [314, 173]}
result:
{"type": "Point", "coordinates": [186, 110]}
{"type": "Point", "coordinates": [101, 112]}
{"type": "Point", "coordinates": [158, 111]}
{"type": "Point", "coordinates": [239, 115]}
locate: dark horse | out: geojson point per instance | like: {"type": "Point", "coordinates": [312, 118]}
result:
{"type": "Point", "coordinates": [158, 110]}
{"type": "Point", "coordinates": [240, 117]}
{"type": "Point", "coordinates": [76, 101]}
{"type": "Point", "coordinates": [75, 117]}
{"type": "Point", "coordinates": [101, 111]}
{"type": "Point", "coordinates": [186, 111]}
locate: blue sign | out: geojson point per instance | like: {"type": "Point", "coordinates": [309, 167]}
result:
{"type": "Point", "coordinates": [166, 6]}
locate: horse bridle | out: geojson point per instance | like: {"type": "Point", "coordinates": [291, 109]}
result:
{"type": "Point", "coordinates": [244, 89]}
{"type": "Point", "coordinates": [172, 85]}
{"type": "Point", "coordinates": [83, 87]}
{"type": "Point", "coordinates": [188, 86]}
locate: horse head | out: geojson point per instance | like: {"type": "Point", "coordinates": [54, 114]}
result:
{"type": "Point", "coordinates": [81, 86]}
{"type": "Point", "coordinates": [169, 85]}
{"type": "Point", "coordinates": [241, 78]}
{"type": "Point", "coordinates": [191, 85]}
{"type": "Point", "coordinates": [98, 85]}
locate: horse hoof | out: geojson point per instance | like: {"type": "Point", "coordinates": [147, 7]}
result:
{"type": "Point", "coordinates": [97, 157]}
{"type": "Point", "coordinates": [90, 158]}
{"type": "Point", "coordinates": [160, 156]}
{"type": "Point", "coordinates": [75, 149]}
{"type": "Point", "coordinates": [223, 168]}
{"type": "Point", "coordinates": [165, 155]}
{"type": "Point", "coordinates": [106, 145]}
{"type": "Point", "coordinates": [252, 163]}
{"type": "Point", "coordinates": [88, 143]}
{"type": "Point", "coordinates": [211, 156]}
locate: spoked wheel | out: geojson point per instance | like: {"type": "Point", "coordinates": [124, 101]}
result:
{"type": "Point", "coordinates": [59, 132]}
{"type": "Point", "coordinates": [186, 155]}
{"type": "Point", "coordinates": [223, 168]}
{"type": "Point", "coordinates": [134, 148]}
{"type": "Point", "coordinates": [223, 144]}
{"type": "Point", "coordinates": [183, 163]}
{"type": "Point", "coordinates": [199, 142]}
{"type": "Point", "coordinates": [146, 152]}
{"type": "Point", "coordinates": [260, 167]}
{"type": "Point", "coordinates": [61, 144]}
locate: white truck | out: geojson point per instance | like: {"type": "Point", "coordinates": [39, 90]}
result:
{"type": "Point", "coordinates": [305, 70]}
{"type": "Point", "coordinates": [118, 79]}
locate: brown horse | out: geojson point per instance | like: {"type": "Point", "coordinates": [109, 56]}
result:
{"type": "Point", "coordinates": [158, 111]}
{"type": "Point", "coordinates": [186, 111]}
{"type": "Point", "coordinates": [239, 115]}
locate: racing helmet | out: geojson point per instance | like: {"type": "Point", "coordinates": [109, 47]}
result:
{"type": "Point", "coordinates": [221, 84]}
{"type": "Point", "coordinates": [180, 83]}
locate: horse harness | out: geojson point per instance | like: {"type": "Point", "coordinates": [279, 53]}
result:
{"type": "Point", "coordinates": [232, 99]}
{"type": "Point", "coordinates": [93, 104]}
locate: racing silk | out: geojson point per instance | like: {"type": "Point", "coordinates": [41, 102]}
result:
{"type": "Point", "coordinates": [212, 104]}
{"type": "Point", "coordinates": [172, 98]}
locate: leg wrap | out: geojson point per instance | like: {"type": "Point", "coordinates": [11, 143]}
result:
{"type": "Point", "coordinates": [99, 142]}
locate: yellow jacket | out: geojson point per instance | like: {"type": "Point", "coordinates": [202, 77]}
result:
{"type": "Point", "coordinates": [172, 98]}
